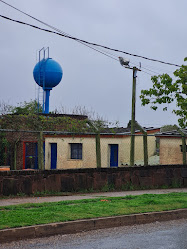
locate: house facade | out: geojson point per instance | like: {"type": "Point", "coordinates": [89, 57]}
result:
{"type": "Point", "coordinates": [170, 150]}
{"type": "Point", "coordinates": [79, 151]}
{"type": "Point", "coordinates": [69, 143]}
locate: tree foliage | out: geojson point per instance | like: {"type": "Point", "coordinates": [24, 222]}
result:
{"type": "Point", "coordinates": [26, 107]}
{"type": "Point", "coordinates": [165, 91]}
{"type": "Point", "coordinates": [34, 122]}
{"type": "Point", "coordinates": [168, 128]}
{"type": "Point", "coordinates": [26, 118]}
{"type": "Point", "coordinates": [30, 107]}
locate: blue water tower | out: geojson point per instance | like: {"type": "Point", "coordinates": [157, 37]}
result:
{"type": "Point", "coordinates": [47, 74]}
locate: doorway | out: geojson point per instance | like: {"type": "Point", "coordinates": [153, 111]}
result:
{"type": "Point", "coordinates": [113, 155]}
{"type": "Point", "coordinates": [30, 155]}
{"type": "Point", "coordinates": [53, 155]}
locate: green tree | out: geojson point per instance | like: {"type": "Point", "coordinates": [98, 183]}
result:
{"type": "Point", "coordinates": [168, 128]}
{"type": "Point", "coordinates": [165, 91]}
{"type": "Point", "coordinates": [25, 107]}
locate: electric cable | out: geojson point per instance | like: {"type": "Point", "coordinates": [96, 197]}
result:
{"type": "Point", "coordinates": [80, 40]}
{"type": "Point", "coordinates": [67, 35]}
{"type": "Point", "coordinates": [145, 69]}
{"type": "Point", "coordinates": [33, 26]}
{"type": "Point", "coordinates": [46, 30]}
{"type": "Point", "coordinates": [151, 68]}
{"type": "Point", "coordinates": [147, 72]}
{"type": "Point", "coordinates": [52, 27]}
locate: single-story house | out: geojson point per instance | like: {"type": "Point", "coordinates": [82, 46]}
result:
{"type": "Point", "coordinates": [64, 151]}
{"type": "Point", "coordinates": [69, 142]}
{"type": "Point", "coordinates": [170, 147]}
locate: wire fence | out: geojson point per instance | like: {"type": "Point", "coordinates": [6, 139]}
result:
{"type": "Point", "coordinates": [21, 150]}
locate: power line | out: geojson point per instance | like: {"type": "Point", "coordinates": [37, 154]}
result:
{"type": "Point", "coordinates": [144, 68]}
{"type": "Point", "coordinates": [52, 27]}
{"type": "Point", "coordinates": [58, 30]}
{"type": "Point", "coordinates": [33, 26]}
{"type": "Point", "coordinates": [146, 72]}
{"type": "Point", "coordinates": [80, 40]}
{"type": "Point", "coordinates": [150, 70]}
{"type": "Point", "coordinates": [36, 19]}
{"type": "Point", "coordinates": [50, 31]}
{"type": "Point", "coordinates": [153, 68]}
{"type": "Point", "coordinates": [104, 53]}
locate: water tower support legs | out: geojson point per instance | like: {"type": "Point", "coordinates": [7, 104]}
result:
{"type": "Point", "coordinates": [47, 94]}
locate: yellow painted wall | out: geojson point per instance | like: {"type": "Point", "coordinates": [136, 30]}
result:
{"type": "Point", "coordinates": [89, 151]}
{"type": "Point", "coordinates": [63, 153]}
{"type": "Point", "coordinates": [170, 151]}
{"type": "Point", "coordinates": [105, 150]}
{"type": "Point", "coordinates": [139, 149]}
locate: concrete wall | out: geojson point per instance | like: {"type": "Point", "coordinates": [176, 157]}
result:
{"type": "Point", "coordinates": [29, 182]}
{"type": "Point", "coordinates": [170, 150]}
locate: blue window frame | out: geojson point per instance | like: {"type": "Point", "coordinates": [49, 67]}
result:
{"type": "Point", "coordinates": [76, 151]}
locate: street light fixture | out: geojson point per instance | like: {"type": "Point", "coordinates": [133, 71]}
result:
{"type": "Point", "coordinates": [125, 63]}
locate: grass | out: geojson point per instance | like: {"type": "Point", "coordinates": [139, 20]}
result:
{"type": "Point", "coordinates": [33, 214]}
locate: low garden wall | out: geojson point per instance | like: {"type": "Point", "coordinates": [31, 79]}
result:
{"type": "Point", "coordinates": [126, 178]}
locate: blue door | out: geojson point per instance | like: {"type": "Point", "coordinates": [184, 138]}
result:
{"type": "Point", "coordinates": [114, 155]}
{"type": "Point", "coordinates": [53, 155]}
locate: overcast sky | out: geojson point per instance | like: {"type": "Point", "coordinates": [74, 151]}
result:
{"type": "Point", "coordinates": [156, 29]}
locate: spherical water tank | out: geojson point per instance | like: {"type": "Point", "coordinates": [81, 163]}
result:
{"type": "Point", "coordinates": [47, 73]}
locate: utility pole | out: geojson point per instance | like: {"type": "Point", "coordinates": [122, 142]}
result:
{"type": "Point", "coordinates": [132, 150]}
{"type": "Point", "coordinates": [125, 63]}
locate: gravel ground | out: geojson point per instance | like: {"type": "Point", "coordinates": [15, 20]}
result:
{"type": "Point", "coordinates": [15, 201]}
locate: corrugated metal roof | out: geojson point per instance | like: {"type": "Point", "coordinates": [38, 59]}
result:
{"type": "Point", "coordinates": [122, 130]}
{"type": "Point", "coordinates": [173, 133]}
